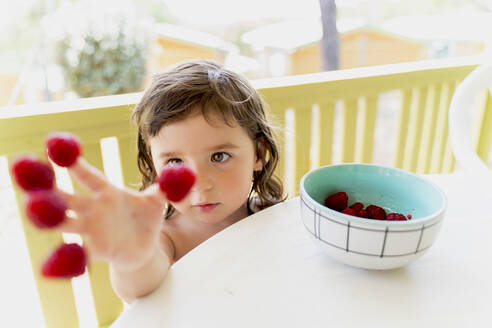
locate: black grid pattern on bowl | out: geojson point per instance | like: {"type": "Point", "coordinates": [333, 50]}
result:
{"type": "Point", "coordinates": [316, 224]}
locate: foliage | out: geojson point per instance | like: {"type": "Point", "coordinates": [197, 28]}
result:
{"type": "Point", "coordinates": [102, 51]}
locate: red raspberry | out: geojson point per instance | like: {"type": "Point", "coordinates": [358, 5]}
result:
{"type": "Point", "coordinates": [45, 208]}
{"type": "Point", "coordinates": [32, 174]}
{"type": "Point", "coordinates": [63, 148]}
{"type": "Point", "coordinates": [396, 217]}
{"type": "Point", "coordinates": [176, 181]}
{"type": "Point", "coordinates": [67, 261]}
{"type": "Point", "coordinates": [362, 214]}
{"type": "Point", "coordinates": [337, 201]}
{"type": "Point", "coordinates": [375, 212]}
{"type": "Point", "coordinates": [409, 216]}
{"type": "Point", "coordinates": [357, 206]}
{"type": "Point", "coordinates": [349, 211]}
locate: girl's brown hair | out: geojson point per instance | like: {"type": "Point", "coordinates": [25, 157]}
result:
{"type": "Point", "coordinates": [207, 87]}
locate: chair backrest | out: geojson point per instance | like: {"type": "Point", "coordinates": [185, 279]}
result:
{"type": "Point", "coordinates": [472, 151]}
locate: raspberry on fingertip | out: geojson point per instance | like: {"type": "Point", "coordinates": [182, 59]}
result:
{"type": "Point", "coordinates": [63, 148]}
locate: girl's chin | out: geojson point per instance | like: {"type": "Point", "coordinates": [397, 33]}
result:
{"type": "Point", "coordinates": [211, 218]}
{"type": "Point", "coordinates": [209, 221]}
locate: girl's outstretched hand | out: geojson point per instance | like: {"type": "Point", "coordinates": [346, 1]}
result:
{"type": "Point", "coordinates": [118, 225]}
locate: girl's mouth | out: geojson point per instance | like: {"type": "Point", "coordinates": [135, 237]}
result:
{"type": "Point", "coordinates": [206, 207]}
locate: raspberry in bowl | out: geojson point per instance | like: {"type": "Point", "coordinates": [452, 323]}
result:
{"type": "Point", "coordinates": [364, 242]}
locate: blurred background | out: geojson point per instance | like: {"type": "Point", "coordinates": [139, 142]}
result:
{"type": "Point", "coordinates": [64, 49]}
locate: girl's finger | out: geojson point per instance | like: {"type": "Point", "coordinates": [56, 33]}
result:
{"type": "Point", "coordinates": [71, 224]}
{"type": "Point", "coordinates": [49, 162]}
{"type": "Point", "coordinates": [88, 253]}
{"type": "Point", "coordinates": [87, 175]}
{"type": "Point", "coordinates": [154, 193]}
{"type": "Point", "coordinates": [76, 202]}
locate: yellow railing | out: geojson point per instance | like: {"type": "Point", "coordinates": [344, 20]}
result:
{"type": "Point", "coordinates": [305, 104]}
{"type": "Point", "coordinates": [23, 129]}
{"type": "Point", "coordinates": [420, 139]}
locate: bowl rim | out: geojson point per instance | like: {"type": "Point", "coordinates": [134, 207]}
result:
{"type": "Point", "coordinates": [357, 220]}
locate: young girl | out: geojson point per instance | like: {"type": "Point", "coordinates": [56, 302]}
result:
{"type": "Point", "coordinates": [200, 115]}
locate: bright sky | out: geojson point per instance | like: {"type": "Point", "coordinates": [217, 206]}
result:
{"type": "Point", "coordinates": [221, 12]}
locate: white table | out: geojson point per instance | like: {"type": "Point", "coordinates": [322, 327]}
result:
{"type": "Point", "coordinates": [264, 271]}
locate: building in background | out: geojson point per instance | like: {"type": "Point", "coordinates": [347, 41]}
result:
{"type": "Point", "coordinates": [292, 47]}
{"type": "Point", "coordinates": [174, 43]}
{"type": "Point", "coordinates": [446, 35]}
{"type": "Point", "coordinates": [284, 48]}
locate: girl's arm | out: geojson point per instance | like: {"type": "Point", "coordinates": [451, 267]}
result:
{"type": "Point", "coordinates": [122, 227]}
{"type": "Point", "coordinates": [133, 283]}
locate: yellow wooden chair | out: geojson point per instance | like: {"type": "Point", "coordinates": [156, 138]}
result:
{"type": "Point", "coordinates": [305, 103]}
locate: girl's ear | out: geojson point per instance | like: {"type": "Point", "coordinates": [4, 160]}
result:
{"type": "Point", "coordinates": [260, 154]}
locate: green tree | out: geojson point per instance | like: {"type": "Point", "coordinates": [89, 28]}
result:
{"type": "Point", "coordinates": [102, 50]}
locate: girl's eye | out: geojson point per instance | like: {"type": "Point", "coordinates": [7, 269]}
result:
{"type": "Point", "coordinates": [174, 161]}
{"type": "Point", "coordinates": [220, 157]}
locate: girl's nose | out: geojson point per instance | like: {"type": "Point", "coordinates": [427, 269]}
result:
{"type": "Point", "coordinates": [203, 180]}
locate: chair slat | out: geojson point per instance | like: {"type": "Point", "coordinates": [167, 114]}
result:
{"type": "Point", "coordinates": [403, 124]}
{"type": "Point", "coordinates": [325, 128]}
{"type": "Point", "coordinates": [429, 129]}
{"type": "Point", "coordinates": [302, 143]}
{"type": "Point", "coordinates": [441, 134]}
{"type": "Point", "coordinates": [107, 304]}
{"type": "Point", "coordinates": [349, 130]}
{"type": "Point", "coordinates": [128, 158]}
{"type": "Point", "coordinates": [365, 142]}
{"type": "Point", "coordinates": [56, 313]}
{"type": "Point", "coordinates": [276, 115]}
{"type": "Point", "coordinates": [415, 129]}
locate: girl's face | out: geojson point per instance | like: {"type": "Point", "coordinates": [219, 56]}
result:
{"type": "Point", "coordinates": [223, 159]}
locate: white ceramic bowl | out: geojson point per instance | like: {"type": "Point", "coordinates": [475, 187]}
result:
{"type": "Point", "coordinates": [368, 243]}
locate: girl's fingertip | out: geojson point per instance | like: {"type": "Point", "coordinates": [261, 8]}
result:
{"type": "Point", "coordinates": [79, 162]}
{"type": "Point", "coordinates": [65, 228]}
{"type": "Point", "coordinates": [87, 175]}
{"type": "Point", "coordinates": [156, 193]}
{"type": "Point", "coordinates": [88, 254]}
{"type": "Point", "coordinates": [67, 197]}
{"type": "Point", "coordinates": [71, 224]}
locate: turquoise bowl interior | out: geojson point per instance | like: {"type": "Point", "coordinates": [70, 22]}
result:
{"type": "Point", "coordinates": [393, 189]}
